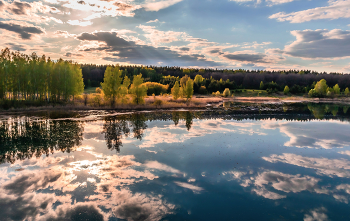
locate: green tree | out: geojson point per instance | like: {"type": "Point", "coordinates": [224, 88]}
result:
{"type": "Point", "coordinates": [188, 89]}
{"type": "Point", "coordinates": [261, 85]}
{"type": "Point", "coordinates": [139, 91]}
{"type": "Point", "coordinates": [286, 90]}
{"type": "Point", "coordinates": [112, 83]}
{"type": "Point", "coordinates": [198, 79]}
{"type": "Point", "coordinates": [321, 87]}
{"type": "Point", "coordinates": [336, 89]}
{"type": "Point", "coordinates": [347, 92]}
{"type": "Point", "coordinates": [175, 91]}
{"type": "Point", "coordinates": [124, 90]}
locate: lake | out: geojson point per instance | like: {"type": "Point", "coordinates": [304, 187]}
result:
{"type": "Point", "coordinates": [254, 162]}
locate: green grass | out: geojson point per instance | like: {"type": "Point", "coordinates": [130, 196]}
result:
{"type": "Point", "coordinates": [251, 93]}
{"type": "Point", "coordinates": [90, 90]}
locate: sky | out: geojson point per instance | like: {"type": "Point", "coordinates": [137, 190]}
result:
{"type": "Point", "coordinates": [222, 34]}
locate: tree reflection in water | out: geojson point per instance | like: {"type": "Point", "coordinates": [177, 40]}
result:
{"type": "Point", "coordinates": [22, 138]}
{"type": "Point", "coordinates": [114, 128]}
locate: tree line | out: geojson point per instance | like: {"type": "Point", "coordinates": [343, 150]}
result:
{"type": "Point", "coordinates": [298, 81]}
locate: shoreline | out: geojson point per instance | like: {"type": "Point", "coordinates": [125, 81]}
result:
{"type": "Point", "coordinates": [198, 103]}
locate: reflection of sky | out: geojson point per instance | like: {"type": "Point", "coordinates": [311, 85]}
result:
{"type": "Point", "coordinates": [216, 169]}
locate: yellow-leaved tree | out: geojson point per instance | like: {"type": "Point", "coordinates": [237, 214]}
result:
{"type": "Point", "coordinates": [139, 91]}
{"type": "Point", "coordinates": [175, 91]}
{"type": "Point", "coordinates": [188, 89]}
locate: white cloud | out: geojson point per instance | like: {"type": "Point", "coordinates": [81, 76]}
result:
{"type": "Point", "coordinates": [325, 166]}
{"type": "Point", "coordinates": [161, 166]}
{"type": "Point", "coordinates": [336, 9]}
{"type": "Point", "coordinates": [268, 194]}
{"type": "Point", "coordinates": [318, 214]}
{"type": "Point", "coordinates": [192, 187]}
{"type": "Point", "coordinates": [268, 2]}
{"type": "Point", "coordinates": [154, 21]}
{"type": "Point", "coordinates": [321, 43]}
{"type": "Point", "coordinates": [314, 134]}
{"type": "Point", "coordinates": [79, 23]}
{"type": "Point", "coordinates": [155, 5]}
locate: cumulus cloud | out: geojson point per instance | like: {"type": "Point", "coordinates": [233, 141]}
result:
{"type": "Point", "coordinates": [25, 32]}
{"type": "Point", "coordinates": [28, 11]}
{"type": "Point", "coordinates": [85, 211]}
{"type": "Point", "coordinates": [268, 194]}
{"type": "Point", "coordinates": [288, 183]}
{"type": "Point", "coordinates": [318, 214]}
{"type": "Point", "coordinates": [103, 8]}
{"type": "Point", "coordinates": [19, 8]}
{"type": "Point", "coordinates": [321, 43]}
{"type": "Point", "coordinates": [16, 47]}
{"type": "Point", "coordinates": [336, 9]}
{"type": "Point", "coordinates": [156, 5]}
{"type": "Point", "coordinates": [316, 134]}
{"type": "Point", "coordinates": [35, 193]}
{"type": "Point", "coordinates": [117, 49]}
{"type": "Point", "coordinates": [323, 166]}
{"type": "Point", "coordinates": [264, 182]}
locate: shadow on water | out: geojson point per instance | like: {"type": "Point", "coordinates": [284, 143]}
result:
{"type": "Point", "coordinates": [23, 138]}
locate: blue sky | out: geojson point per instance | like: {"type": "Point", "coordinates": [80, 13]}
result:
{"type": "Point", "coordinates": [232, 34]}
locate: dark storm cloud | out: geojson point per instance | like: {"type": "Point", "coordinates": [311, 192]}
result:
{"type": "Point", "coordinates": [24, 208]}
{"type": "Point", "coordinates": [87, 212]}
{"type": "Point", "coordinates": [23, 31]}
{"type": "Point", "coordinates": [320, 44]}
{"type": "Point", "coordinates": [246, 57]}
{"type": "Point", "coordinates": [21, 185]}
{"type": "Point", "coordinates": [68, 54]}
{"type": "Point", "coordinates": [185, 49]}
{"type": "Point", "coordinates": [128, 51]}
{"type": "Point", "coordinates": [216, 51]}
{"type": "Point", "coordinates": [19, 8]}
{"type": "Point", "coordinates": [16, 47]}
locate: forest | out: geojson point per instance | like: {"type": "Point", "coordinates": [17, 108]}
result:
{"type": "Point", "coordinates": [27, 80]}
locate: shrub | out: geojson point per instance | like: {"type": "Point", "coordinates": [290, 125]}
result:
{"type": "Point", "coordinates": [202, 90]}
{"type": "Point", "coordinates": [98, 90]}
{"type": "Point", "coordinates": [313, 93]}
{"type": "Point", "coordinates": [158, 102]}
{"type": "Point", "coordinates": [226, 92]}
{"type": "Point", "coordinates": [155, 88]}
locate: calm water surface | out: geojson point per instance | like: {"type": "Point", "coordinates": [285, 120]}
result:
{"type": "Point", "coordinates": [177, 166]}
